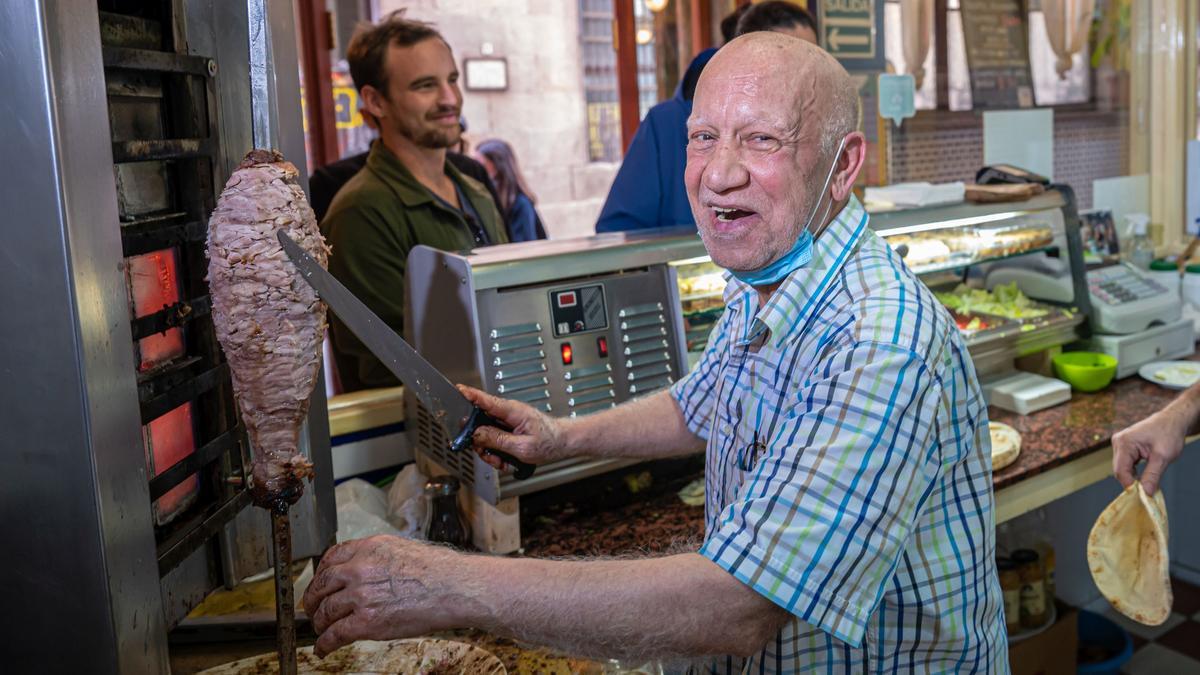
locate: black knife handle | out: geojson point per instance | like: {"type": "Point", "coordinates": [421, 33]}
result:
{"type": "Point", "coordinates": [465, 441]}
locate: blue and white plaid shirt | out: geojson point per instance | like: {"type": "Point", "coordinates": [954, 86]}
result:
{"type": "Point", "coordinates": [848, 472]}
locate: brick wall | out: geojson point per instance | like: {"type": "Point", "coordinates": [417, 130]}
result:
{"type": "Point", "coordinates": [1087, 146]}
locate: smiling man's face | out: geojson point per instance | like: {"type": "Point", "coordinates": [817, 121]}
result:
{"type": "Point", "coordinates": [423, 99]}
{"type": "Point", "coordinates": [753, 153]}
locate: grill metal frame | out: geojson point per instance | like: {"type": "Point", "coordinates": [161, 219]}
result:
{"type": "Point", "coordinates": [73, 473]}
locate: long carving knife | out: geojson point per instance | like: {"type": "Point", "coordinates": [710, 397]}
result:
{"type": "Point", "coordinates": [457, 415]}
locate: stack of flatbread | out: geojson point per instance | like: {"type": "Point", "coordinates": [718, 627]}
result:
{"type": "Point", "coordinates": [424, 656]}
{"type": "Point", "coordinates": [1127, 553]}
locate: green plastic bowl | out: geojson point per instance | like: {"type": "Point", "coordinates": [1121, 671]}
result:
{"type": "Point", "coordinates": [1085, 371]}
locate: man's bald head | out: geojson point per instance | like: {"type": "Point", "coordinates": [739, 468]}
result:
{"type": "Point", "coordinates": [769, 115]}
{"type": "Point", "coordinates": [822, 89]}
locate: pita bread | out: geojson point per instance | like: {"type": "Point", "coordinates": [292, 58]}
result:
{"type": "Point", "coordinates": [1006, 444]}
{"type": "Point", "coordinates": [367, 657]}
{"type": "Point", "coordinates": [1127, 553]}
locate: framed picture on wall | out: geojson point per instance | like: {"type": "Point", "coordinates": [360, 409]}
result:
{"type": "Point", "coordinates": [487, 73]}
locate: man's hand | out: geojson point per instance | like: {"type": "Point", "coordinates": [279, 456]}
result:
{"type": "Point", "coordinates": [381, 588]}
{"type": "Point", "coordinates": [536, 437]}
{"type": "Point", "coordinates": [1157, 439]}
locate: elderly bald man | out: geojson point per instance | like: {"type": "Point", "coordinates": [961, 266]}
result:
{"type": "Point", "coordinates": [849, 504]}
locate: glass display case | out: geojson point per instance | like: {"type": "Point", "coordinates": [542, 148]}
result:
{"type": "Point", "coordinates": [951, 248]}
{"type": "Point", "coordinates": [701, 298]}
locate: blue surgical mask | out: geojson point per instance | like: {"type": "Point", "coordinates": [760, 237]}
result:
{"type": "Point", "coordinates": [801, 252]}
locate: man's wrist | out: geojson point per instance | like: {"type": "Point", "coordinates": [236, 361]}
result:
{"type": "Point", "coordinates": [467, 585]}
{"type": "Point", "coordinates": [569, 438]}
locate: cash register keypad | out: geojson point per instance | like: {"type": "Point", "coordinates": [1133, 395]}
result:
{"type": "Point", "coordinates": [1118, 285]}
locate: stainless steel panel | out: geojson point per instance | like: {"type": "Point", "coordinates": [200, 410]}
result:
{"type": "Point", "coordinates": [71, 464]}
{"type": "Point", "coordinates": [534, 262]}
{"type": "Point", "coordinates": [453, 310]}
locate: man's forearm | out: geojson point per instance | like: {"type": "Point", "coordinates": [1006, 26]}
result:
{"type": "Point", "coordinates": [1186, 409]}
{"type": "Point", "coordinates": [678, 606]}
{"type": "Point", "coordinates": [648, 428]}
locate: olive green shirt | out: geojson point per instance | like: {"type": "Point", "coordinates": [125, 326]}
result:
{"type": "Point", "coordinates": [372, 224]}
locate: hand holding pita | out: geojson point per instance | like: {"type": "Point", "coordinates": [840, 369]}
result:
{"type": "Point", "coordinates": [1157, 440]}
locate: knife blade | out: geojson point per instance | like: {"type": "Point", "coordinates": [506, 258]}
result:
{"type": "Point", "coordinates": [457, 415]}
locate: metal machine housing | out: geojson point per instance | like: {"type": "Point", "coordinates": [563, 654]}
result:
{"type": "Point", "coordinates": [485, 318]}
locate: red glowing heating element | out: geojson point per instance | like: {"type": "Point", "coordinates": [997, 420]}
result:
{"type": "Point", "coordinates": [153, 285]}
{"type": "Point", "coordinates": [168, 440]}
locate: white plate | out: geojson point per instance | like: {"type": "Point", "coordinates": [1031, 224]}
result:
{"type": "Point", "coordinates": [1147, 372]}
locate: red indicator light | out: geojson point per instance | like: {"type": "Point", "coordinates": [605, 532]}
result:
{"type": "Point", "coordinates": [567, 355]}
{"type": "Point", "coordinates": [602, 345]}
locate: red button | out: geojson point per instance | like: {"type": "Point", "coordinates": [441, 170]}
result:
{"type": "Point", "coordinates": [602, 345]}
{"type": "Point", "coordinates": [567, 355]}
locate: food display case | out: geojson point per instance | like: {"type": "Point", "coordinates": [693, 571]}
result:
{"type": "Point", "coordinates": [952, 248]}
{"type": "Point", "coordinates": [701, 287]}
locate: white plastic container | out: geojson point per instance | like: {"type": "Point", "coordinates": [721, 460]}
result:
{"type": "Point", "coordinates": [1191, 286]}
{"type": "Point", "coordinates": [1166, 273]}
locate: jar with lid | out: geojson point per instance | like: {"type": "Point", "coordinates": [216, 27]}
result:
{"type": "Point", "coordinates": [1048, 571]}
{"type": "Point", "coordinates": [1045, 548]}
{"type": "Point", "coordinates": [1166, 272]}
{"type": "Point", "coordinates": [446, 524]}
{"type": "Point", "coordinates": [1033, 589]}
{"type": "Point", "coordinates": [1010, 585]}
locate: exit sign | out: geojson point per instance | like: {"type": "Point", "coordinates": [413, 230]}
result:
{"type": "Point", "coordinates": [852, 31]}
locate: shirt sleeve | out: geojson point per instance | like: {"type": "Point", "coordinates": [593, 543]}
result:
{"type": "Point", "coordinates": [694, 394]}
{"type": "Point", "coordinates": [633, 200]}
{"type": "Point", "coordinates": [823, 515]}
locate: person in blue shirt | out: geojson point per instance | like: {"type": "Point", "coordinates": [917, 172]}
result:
{"type": "Point", "coordinates": [515, 199]}
{"type": "Point", "coordinates": [648, 190]}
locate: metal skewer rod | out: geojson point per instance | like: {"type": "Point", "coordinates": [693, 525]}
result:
{"type": "Point", "coordinates": [285, 602]}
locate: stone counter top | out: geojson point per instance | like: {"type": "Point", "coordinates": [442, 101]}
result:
{"type": "Point", "coordinates": [1080, 426]}
{"type": "Point", "coordinates": [658, 522]}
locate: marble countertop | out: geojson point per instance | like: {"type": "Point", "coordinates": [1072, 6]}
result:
{"type": "Point", "coordinates": [1082, 425]}
{"type": "Point", "coordinates": [656, 521]}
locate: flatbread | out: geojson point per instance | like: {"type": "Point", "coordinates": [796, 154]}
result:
{"type": "Point", "coordinates": [1006, 444]}
{"type": "Point", "coordinates": [367, 657]}
{"type": "Point", "coordinates": [1127, 553]}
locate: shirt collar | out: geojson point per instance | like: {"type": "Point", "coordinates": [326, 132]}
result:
{"type": "Point", "coordinates": [407, 188]}
{"type": "Point", "coordinates": [794, 298]}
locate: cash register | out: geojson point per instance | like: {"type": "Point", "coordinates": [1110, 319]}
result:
{"type": "Point", "coordinates": [1133, 317]}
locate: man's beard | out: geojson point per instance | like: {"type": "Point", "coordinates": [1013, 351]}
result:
{"type": "Point", "coordinates": [434, 138]}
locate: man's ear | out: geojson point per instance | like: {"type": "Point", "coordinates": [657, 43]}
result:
{"type": "Point", "coordinates": [849, 164]}
{"type": "Point", "coordinates": [373, 102]}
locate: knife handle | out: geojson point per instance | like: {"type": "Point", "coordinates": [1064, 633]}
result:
{"type": "Point", "coordinates": [464, 441]}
